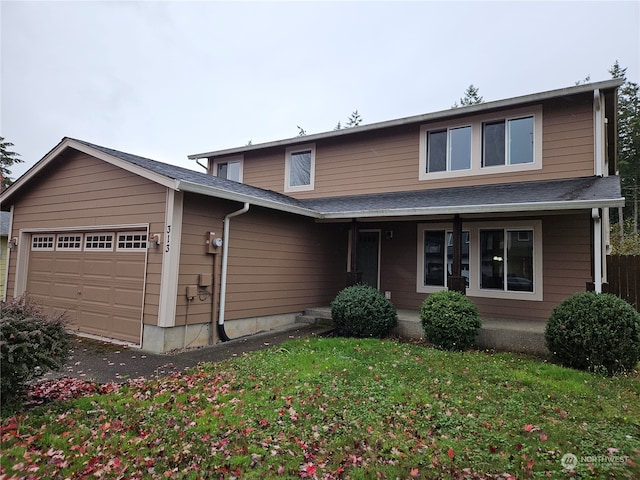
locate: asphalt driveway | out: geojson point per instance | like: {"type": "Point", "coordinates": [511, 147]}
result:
{"type": "Point", "coordinates": [105, 362]}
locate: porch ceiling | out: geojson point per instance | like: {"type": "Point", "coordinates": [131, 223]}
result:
{"type": "Point", "coordinates": [568, 194]}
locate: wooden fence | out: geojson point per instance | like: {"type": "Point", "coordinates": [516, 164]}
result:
{"type": "Point", "coordinates": [623, 275]}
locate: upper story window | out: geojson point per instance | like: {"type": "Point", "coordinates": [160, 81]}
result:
{"type": "Point", "coordinates": [300, 168]}
{"type": "Point", "coordinates": [487, 144]}
{"type": "Point", "coordinates": [229, 168]}
{"type": "Point", "coordinates": [449, 150]}
{"type": "Point", "coordinates": [508, 142]}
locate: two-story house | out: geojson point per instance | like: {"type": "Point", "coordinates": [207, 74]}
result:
{"type": "Point", "coordinates": [507, 201]}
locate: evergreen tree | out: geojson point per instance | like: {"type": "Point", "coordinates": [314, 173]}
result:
{"type": "Point", "coordinates": [354, 120]}
{"type": "Point", "coordinates": [471, 97]}
{"type": "Point", "coordinates": [7, 159]}
{"type": "Point", "coordinates": [629, 144]}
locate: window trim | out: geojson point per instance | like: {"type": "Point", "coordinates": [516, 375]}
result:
{"type": "Point", "coordinates": [69, 249]}
{"type": "Point", "coordinates": [132, 249]}
{"type": "Point", "coordinates": [287, 168]}
{"type": "Point", "coordinates": [476, 122]}
{"type": "Point", "coordinates": [448, 147]}
{"type": "Point", "coordinates": [227, 160]}
{"type": "Point", "coordinates": [475, 260]}
{"type": "Point", "coordinates": [51, 236]}
{"type": "Point", "coordinates": [99, 249]}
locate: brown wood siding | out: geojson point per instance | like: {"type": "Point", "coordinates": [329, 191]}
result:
{"type": "Point", "coordinates": [278, 263]}
{"type": "Point", "coordinates": [78, 190]}
{"type": "Point", "coordinates": [388, 161]}
{"type": "Point", "coordinates": [566, 268]}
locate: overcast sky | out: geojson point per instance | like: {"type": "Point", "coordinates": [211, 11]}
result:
{"type": "Point", "coordinates": [168, 79]}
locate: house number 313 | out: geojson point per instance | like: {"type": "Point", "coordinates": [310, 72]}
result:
{"type": "Point", "coordinates": [168, 247]}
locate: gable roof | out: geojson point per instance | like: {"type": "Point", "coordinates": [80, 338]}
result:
{"type": "Point", "coordinates": [419, 119]}
{"type": "Point", "coordinates": [568, 194]}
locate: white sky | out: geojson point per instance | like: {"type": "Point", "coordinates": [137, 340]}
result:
{"type": "Point", "coordinates": [168, 79]}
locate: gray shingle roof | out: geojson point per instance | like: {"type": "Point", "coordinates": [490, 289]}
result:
{"type": "Point", "coordinates": [199, 178]}
{"type": "Point", "coordinates": [585, 192]}
{"type": "Point", "coordinates": [461, 199]}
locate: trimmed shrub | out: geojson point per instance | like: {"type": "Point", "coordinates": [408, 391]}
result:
{"type": "Point", "coordinates": [597, 332]}
{"type": "Point", "coordinates": [450, 320]}
{"type": "Point", "coordinates": [362, 311]}
{"type": "Point", "coordinates": [31, 344]}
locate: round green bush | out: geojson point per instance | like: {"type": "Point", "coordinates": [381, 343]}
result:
{"type": "Point", "coordinates": [362, 311]}
{"type": "Point", "coordinates": [597, 332]}
{"type": "Point", "coordinates": [31, 344]}
{"type": "Point", "coordinates": [450, 320]}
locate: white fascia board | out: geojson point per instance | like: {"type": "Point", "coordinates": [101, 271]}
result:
{"type": "Point", "coordinates": [239, 197]}
{"type": "Point", "coordinates": [467, 209]}
{"type": "Point", "coordinates": [418, 119]}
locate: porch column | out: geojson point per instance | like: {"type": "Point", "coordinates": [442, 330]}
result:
{"type": "Point", "coordinates": [456, 281]}
{"type": "Point", "coordinates": [352, 275]}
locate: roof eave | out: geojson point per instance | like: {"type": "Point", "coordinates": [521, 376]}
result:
{"type": "Point", "coordinates": [443, 114]}
{"type": "Point", "coordinates": [240, 197]}
{"type": "Point", "coordinates": [472, 209]}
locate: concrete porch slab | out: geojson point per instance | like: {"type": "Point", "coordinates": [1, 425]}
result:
{"type": "Point", "coordinates": [497, 334]}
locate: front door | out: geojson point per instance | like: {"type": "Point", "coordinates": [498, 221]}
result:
{"type": "Point", "coordinates": [368, 257]}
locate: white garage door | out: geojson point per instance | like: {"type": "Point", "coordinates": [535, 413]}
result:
{"type": "Point", "coordinates": [97, 279]}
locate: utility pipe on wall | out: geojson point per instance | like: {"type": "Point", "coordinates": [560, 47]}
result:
{"type": "Point", "coordinates": [223, 274]}
{"type": "Point", "coordinates": [597, 250]}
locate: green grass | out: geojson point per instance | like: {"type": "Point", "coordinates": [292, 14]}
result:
{"type": "Point", "coordinates": [340, 408]}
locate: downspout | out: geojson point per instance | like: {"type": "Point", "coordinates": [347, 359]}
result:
{"type": "Point", "coordinates": [599, 129]}
{"type": "Point", "coordinates": [203, 166]}
{"type": "Point", "coordinates": [597, 250]}
{"type": "Point", "coordinates": [223, 274]}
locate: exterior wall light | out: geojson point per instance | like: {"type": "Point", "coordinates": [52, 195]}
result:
{"type": "Point", "coordinates": [13, 243]}
{"type": "Point", "coordinates": [154, 241]}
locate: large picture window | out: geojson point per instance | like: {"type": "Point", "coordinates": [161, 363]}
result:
{"type": "Point", "coordinates": [507, 260]}
{"type": "Point", "coordinates": [498, 259]}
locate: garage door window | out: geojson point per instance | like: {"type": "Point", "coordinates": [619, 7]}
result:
{"type": "Point", "coordinates": [42, 242]}
{"type": "Point", "coordinates": [98, 241]}
{"type": "Point", "coordinates": [132, 241]}
{"type": "Point", "coordinates": [69, 242]}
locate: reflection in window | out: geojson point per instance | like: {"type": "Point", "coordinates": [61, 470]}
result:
{"type": "Point", "coordinates": [509, 251]}
{"type": "Point", "coordinates": [449, 150]}
{"type": "Point", "coordinates": [508, 142]}
{"type": "Point", "coordinates": [437, 245]}
{"type": "Point", "coordinates": [229, 170]}
{"type": "Point", "coordinates": [300, 168]}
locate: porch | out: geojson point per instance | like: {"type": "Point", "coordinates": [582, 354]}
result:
{"type": "Point", "coordinates": [498, 334]}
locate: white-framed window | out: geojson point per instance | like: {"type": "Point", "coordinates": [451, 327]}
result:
{"type": "Point", "coordinates": [499, 259]}
{"type": "Point", "coordinates": [229, 168]}
{"type": "Point", "coordinates": [42, 242]}
{"type": "Point", "coordinates": [300, 165]}
{"type": "Point", "coordinates": [486, 144]}
{"type": "Point", "coordinates": [131, 241]}
{"type": "Point", "coordinates": [437, 257]}
{"type": "Point", "coordinates": [449, 149]}
{"type": "Point", "coordinates": [508, 141]}
{"type": "Point", "coordinates": [99, 241]}
{"type": "Point", "coordinates": [69, 242]}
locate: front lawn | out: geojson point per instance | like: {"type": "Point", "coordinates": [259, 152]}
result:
{"type": "Point", "coordinates": [340, 408]}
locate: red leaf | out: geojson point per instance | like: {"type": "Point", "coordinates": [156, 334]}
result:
{"type": "Point", "coordinates": [492, 449]}
{"type": "Point", "coordinates": [528, 427]}
{"type": "Point", "coordinates": [415, 472]}
{"type": "Point", "coordinates": [451, 454]}
{"type": "Point", "coordinates": [543, 437]}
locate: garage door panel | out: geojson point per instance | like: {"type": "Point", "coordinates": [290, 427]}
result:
{"type": "Point", "coordinates": [98, 268]}
{"type": "Point", "coordinates": [101, 292]}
